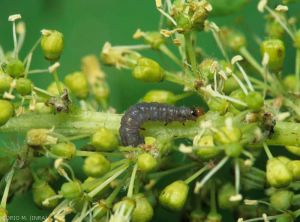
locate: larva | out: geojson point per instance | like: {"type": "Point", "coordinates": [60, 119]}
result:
{"type": "Point", "coordinates": [137, 114]}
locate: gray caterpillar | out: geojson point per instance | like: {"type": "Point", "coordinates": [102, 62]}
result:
{"type": "Point", "coordinates": [137, 114]}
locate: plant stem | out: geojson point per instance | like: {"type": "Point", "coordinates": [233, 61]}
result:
{"type": "Point", "coordinates": [131, 183]}
{"type": "Point", "coordinates": [6, 190]}
{"type": "Point", "coordinates": [169, 53]}
{"type": "Point", "coordinates": [245, 53]}
{"type": "Point", "coordinates": [195, 175]}
{"type": "Point", "coordinates": [191, 52]}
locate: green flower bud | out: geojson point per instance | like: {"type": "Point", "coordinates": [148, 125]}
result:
{"type": "Point", "coordinates": [40, 137]}
{"type": "Point", "coordinates": [205, 147]}
{"type": "Point", "coordinates": [154, 39]}
{"type": "Point", "coordinates": [6, 111]}
{"type": "Point", "coordinates": [160, 96]}
{"type": "Point", "coordinates": [297, 39]}
{"type": "Point", "coordinates": [143, 211]}
{"type": "Point", "coordinates": [254, 100]}
{"type": "Point", "coordinates": [101, 210]}
{"type": "Point", "coordinates": [239, 95]}
{"type": "Point", "coordinates": [230, 85]}
{"type": "Point", "coordinates": [284, 160]}
{"type": "Point", "coordinates": [64, 150]}
{"type": "Point", "coordinates": [224, 194]}
{"type": "Point", "coordinates": [146, 162]}
{"type": "Point", "coordinates": [101, 92]}
{"type": "Point", "coordinates": [293, 149]}
{"type": "Point", "coordinates": [294, 167]}
{"type": "Point", "coordinates": [233, 149]}
{"type": "Point", "coordinates": [228, 135]}
{"type": "Point", "coordinates": [127, 205]}
{"type": "Point", "coordinates": [184, 22]}
{"type": "Point", "coordinates": [214, 217]}
{"type": "Point", "coordinates": [52, 44]}
{"type": "Point", "coordinates": [104, 140]}
{"type": "Point", "coordinates": [278, 174]}
{"type": "Point", "coordinates": [205, 68]}
{"type": "Point", "coordinates": [282, 199]}
{"type": "Point", "coordinates": [15, 68]}
{"type": "Point", "coordinates": [71, 190]}
{"type": "Point", "coordinates": [285, 218]}
{"type": "Point", "coordinates": [232, 39]}
{"type": "Point", "coordinates": [276, 51]}
{"type": "Point", "coordinates": [218, 105]}
{"type": "Point", "coordinates": [24, 86]}
{"type": "Point", "coordinates": [52, 88]}
{"type": "Point", "coordinates": [274, 30]}
{"type": "Point", "coordinates": [5, 82]}
{"type": "Point", "coordinates": [174, 195]}
{"type": "Point", "coordinates": [290, 82]}
{"type": "Point", "coordinates": [42, 108]}
{"type": "Point", "coordinates": [78, 84]}
{"type": "Point", "coordinates": [148, 70]}
{"type": "Point", "coordinates": [3, 215]}
{"type": "Point", "coordinates": [41, 191]}
{"type": "Point", "coordinates": [96, 165]}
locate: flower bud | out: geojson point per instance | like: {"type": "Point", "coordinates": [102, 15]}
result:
{"type": "Point", "coordinates": [5, 82]}
{"type": "Point", "coordinates": [100, 211]}
{"type": "Point", "coordinates": [52, 44]}
{"type": "Point", "coordinates": [101, 92]}
{"type": "Point", "coordinates": [274, 30]}
{"type": "Point", "coordinates": [174, 195]}
{"type": "Point", "coordinates": [282, 199]}
{"type": "Point", "coordinates": [15, 68]}
{"type": "Point", "coordinates": [224, 194]}
{"type": "Point", "coordinates": [78, 84]}
{"type": "Point", "coordinates": [214, 217]}
{"type": "Point", "coordinates": [42, 108]}
{"type": "Point", "coordinates": [275, 49]}
{"type": "Point", "coordinates": [6, 111]}
{"type": "Point", "coordinates": [290, 82]}
{"type": "Point", "coordinates": [160, 96]}
{"type": "Point", "coordinates": [278, 174]}
{"type": "Point", "coordinates": [293, 149]}
{"type": "Point", "coordinates": [205, 147]}
{"type": "Point", "coordinates": [40, 137]}
{"type": "Point", "coordinates": [3, 214]}
{"type": "Point", "coordinates": [24, 86]}
{"type": "Point", "coordinates": [104, 140]}
{"type": "Point", "coordinates": [146, 162]}
{"type": "Point", "coordinates": [254, 100]}
{"type": "Point", "coordinates": [197, 216]}
{"type": "Point", "coordinates": [286, 217]}
{"type": "Point", "coordinates": [233, 39]}
{"type": "Point", "coordinates": [71, 190]}
{"type": "Point", "coordinates": [228, 135]}
{"type": "Point", "coordinates": [233, 149]}
{"type": "Point", "coordinates": [64, 150]}
{"type": "Point", "coordinates": [239, 95]}
{"type": "Point", "coordinates": [154, 39]}
{"type": "Point", "coordinates": [205, 67]}
{"type": "Point", "coordinates": [52, 88]}
{"type": "Point", "coordinates": [148, 70]}
{"type": "Point", "coordinates": [230, 85]}
{"type": "Point", "coordinates": [41, 191]}
{"type": "Point", "coordinates": [297, 39]}
{"type": "Point", "coordinates": [96, 165]}
{"type": "Point", "coordinates": [218, 105]}
{"type": "Point", "coordinates": [143, 211]}
{"type": "Point", "coordinates": [294, 167]}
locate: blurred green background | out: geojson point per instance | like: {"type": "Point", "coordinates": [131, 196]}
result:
{"type": "Point", "coordinates": [87, 24]}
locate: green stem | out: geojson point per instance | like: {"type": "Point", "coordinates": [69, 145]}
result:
{"type": "Point", "coordinates": [267, 150]}
{"type": "Point", "coordinates": [56, 79]}
{"type": "Point", "coordinates": [195, 175]}
{"type": "Point", "coordinates": [131, 183]}
{"type": "Point", "coordinates": [191, 52]}
{"type": "Point", "coordinates": [245, 53]}
{"type": "Point", "coordinates": [164, 49]}
{"type": "Point", "coordinates": [6, 190]}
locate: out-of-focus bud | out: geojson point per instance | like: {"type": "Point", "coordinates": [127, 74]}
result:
{"type": "Point", "coordinates": [254, 100]}
{"type": "Point", "coordinates": [146, 162]}
{"type": "Point", "coordinates": [297, 39]}
{"type": "Point", "coordinates": [40, 137]}
{"type": "Point", "coordinates": [294, 167]}
{"type": "Point", "coordinates": [6, 111]}
{"type": "Point", "coordinates": [5, 82]}
{"type": "Point", "coordinates": [143, 211]}
{"type": "Point", "coordinates": [104, 140]}
{"type": "Point", "coordinates": [205, 147]}
{"type": "Point", "coordinates": [233, 39]}
{"type": "Point", "coordinates": [78, 84]}
{"type": "Point", "coordinates": [53, 90]}
{"type": "Point", "coordinates": [3, 215]}
{"type": "Point", "coordinates": [14, 67]}
{"type": "Point", "coordinates": [41, 191]}
{"type": "Point", "coordinates": [64, 150]}
{"type": "Point", "coordinates": [290, 82]}
{"type": "Point", "coordinates": [218, 104]}
{"type": "Point", "coordinates": [71, 190]}
{"type": "Point", "coordinates": [24, 86]}
{"type": "Point", "coordinates": [282, 199]}
{"type": "Point", "coordinates": [96, 165]}
{"type": "Point", "coordinates": [224, 194]}
{"type": "Point", "coordinates": [160, 96]}
{"type": "Point", "coordinates": [230, 85]}
{"type": "Point", "coordinates": [239, 95]}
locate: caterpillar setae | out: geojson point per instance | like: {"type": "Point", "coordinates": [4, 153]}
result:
{"type": "Point", "coordinates": [137, 114]}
